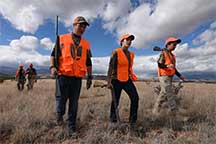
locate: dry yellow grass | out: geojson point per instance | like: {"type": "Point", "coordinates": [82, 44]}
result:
{"type": "Point", "coordinates": [29, 116]}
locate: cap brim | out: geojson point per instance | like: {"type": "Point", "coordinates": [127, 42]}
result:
{"type": "Point", "coordinates": [132, 37]}
{"type": "Point", "coordinates": [178, 41]}
{"type": "Point", "coordinates": [84, 22]}
{"type": "Point", "coordinates": [175, 41]}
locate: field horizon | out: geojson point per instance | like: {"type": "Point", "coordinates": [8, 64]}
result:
{"type": "Point", "coordinates": [29, 116]}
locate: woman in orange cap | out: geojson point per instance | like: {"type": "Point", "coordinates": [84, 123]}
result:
{"type": "Point", "coordinates": [121, 77]}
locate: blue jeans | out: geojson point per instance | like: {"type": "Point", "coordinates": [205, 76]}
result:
{"type": "Point", "coordinates": [70, 89]}
{"type": "Point", "coordinates": [130, 89]}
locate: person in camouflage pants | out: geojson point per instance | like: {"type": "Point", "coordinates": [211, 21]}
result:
{"type": "Point", "coordinates": [166, 71]}
{"type": "Point", "coordinates": [31, 74]}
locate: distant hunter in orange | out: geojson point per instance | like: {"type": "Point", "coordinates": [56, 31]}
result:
{"type": "Point", "coordinates": [20, 77]}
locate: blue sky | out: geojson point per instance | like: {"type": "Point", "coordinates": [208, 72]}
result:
{"type": "Point", "coordinates": [102, 41]}
{"type": "Point", "coordinates": [27, 30]}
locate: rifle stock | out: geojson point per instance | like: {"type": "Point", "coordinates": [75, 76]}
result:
{"type": "Point", "coordinates": [156, 48]}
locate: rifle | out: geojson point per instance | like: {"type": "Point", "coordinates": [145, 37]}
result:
{"type": "Point", "coordinates": [57, 44]}
{"type": "Point", "coordinates": [99, 84]}
{"type": "Point", "coordinates": [57, 91]}
{"type": "Point", "coordinates": [156, 48]}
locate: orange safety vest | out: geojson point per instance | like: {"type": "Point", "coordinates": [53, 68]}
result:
{"type": "Point", "coordinates": [72, 66]}
{"type": "Point", "coordinates": [22, 72]}
{"type": "Point", "coordinates": [124, 69]}
{"type": "Point", "coordinates": [169, 59]}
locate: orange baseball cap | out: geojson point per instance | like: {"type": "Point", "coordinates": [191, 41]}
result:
{"type": "Point", "coordinates": [125, 36]}
{"type": "Point", "coordinates": [80, 19]}
{"type": "Point", "coordinates": [172, 39]}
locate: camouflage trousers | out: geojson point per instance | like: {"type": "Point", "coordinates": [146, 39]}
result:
{"type": "Point", "coordinates": [20, 84]}
{"type": "Point", "coordinates": [30, 83]}
{"type": "Point", "coordinates": [166, 98]}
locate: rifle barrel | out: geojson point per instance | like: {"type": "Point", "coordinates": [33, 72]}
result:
{"type": "Point", "coordinates": [56, 25]}
{"type": "Point", "coordinates": [156, 48]}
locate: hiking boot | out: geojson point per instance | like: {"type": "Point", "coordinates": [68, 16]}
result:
{"type": "Point", "coordinates": [72, 133]}
{"type": "Point", "coordinates": [59, 119]}
{"type": "Point", "coordinates": [132, 125]}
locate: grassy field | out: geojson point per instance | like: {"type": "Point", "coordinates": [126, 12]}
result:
{"type": "Point", "coordinates": [29, 116]}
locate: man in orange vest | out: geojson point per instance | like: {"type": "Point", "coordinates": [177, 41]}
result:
{"type": "Point", "coordinates": [74, 60]}
{"type": "Point", "coordinates": [166, 71]}
{"type": "Point", "coordinates": [121, 77]}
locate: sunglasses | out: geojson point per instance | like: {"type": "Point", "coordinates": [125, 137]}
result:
{"type": "Point", "coordinates": [83, 26]}
{"type": "Point", "coordinates": [173, 44]}
{"type": "Point", "coordinates": [128, 40]}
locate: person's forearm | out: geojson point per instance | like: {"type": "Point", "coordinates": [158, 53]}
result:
{"type": "Point", "coordinates": [109, 73]}
{"type": "Point", "coordinates": [52, 61]}
{"type": "Point", "coordinates": [88, 62]}
{"type": "Point", "coordinates": [177, 73]}
{"type": "Point", "coordinates": [111, 66]}
{"type": "Point", "coordinates": [89, 70]}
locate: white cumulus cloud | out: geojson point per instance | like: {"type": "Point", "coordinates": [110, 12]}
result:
{"type": "Point", "coordinates": [200, 58]}
{"type": "Point", "coordinates": [28, 15]}
{"type": "Point", "coordinates": [25, 44]}
{"type": "Point", "coordinates": [149, 21]}
{"type": "Point", "coordinates": [46, 43]}
{"type": "Point", "coordinates": [23, 50]}
{"type": "Point", "coordinates": [189, 59]}
{"type": "Point", "coordinates": [167, 18]}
